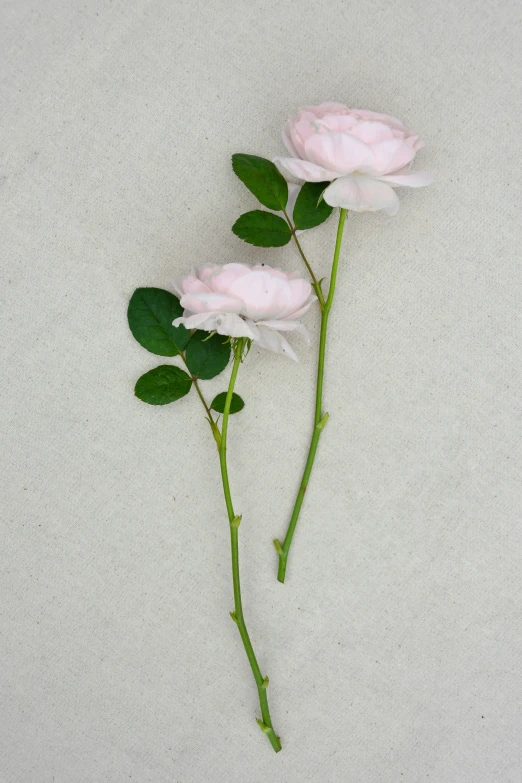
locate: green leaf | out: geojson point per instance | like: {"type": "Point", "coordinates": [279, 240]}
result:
{"type": "Point", "coordinates": [151, 312]}
{"type": "Point", "coordinates": [236, 403]}
{"type": "Point", "coordinates": [310, 209]}
{"type": "Point", "coordinates": [263, 179]}
{"type": "Point", "coordinates": [263, 229]}
{"type": "Point", "coordinates": [162, 385]}
{"type": "Point", "coordinates": [207, 356]}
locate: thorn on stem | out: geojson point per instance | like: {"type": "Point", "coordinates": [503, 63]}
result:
{"type": "Point", "coordinates": [278, 547]}
{"type": "Point", "coordinates": [323, 421]}
{"type": "Point", "coordinates": [264, 728]}
{"type": "Point", "coordinates": [233, 616]}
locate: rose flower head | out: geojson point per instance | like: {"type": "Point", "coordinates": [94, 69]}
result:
{"type": "Point", "coordinates": [365, 155]}
{"type": "Point", "coordinates": [237, 300]}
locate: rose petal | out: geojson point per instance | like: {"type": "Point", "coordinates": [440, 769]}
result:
{"type": "Point", "coordinates": [263, 295]}
{"type": "Point", "coordinates": [303, 169]}
{"type": "Point", "coordinates": [300, 290]}
{"type": "Point", "coordinates": [371, 132]}
{"type": "Point", "coordinates": [339, 152]}
{"type": "Point", "coordinates": [364, 114]}
{"type": "Point", "coordinates": [210, 303]}
{"type": "Point", "coordinates": [273, 341]}
{"type": "Point", "coordinates": [287, 326]}
{"type": "Point", "coordinates": [332, 123]}
{"type": "Point", "coordinates": [360, 194]}
{"type": "Point", "coordinates": [233, 326]}
{"type": "Point", "coordinates": [189, 285]}
{"type": "Point", "coordinates": [190, 320]}
{"type": "Point", "coordinates": [224, 276]}
{"type": "Point", "coordinates": [390, 155]}
{"type": "Point", "coordinates": [417, 179]}
{"type": "Point", "coordinates": [304, 309]}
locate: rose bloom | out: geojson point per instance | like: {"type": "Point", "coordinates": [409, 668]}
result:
{"type": "Point", "coordinates": [363, 154]}
{"type": "Point", "coordinates": [237, 300]}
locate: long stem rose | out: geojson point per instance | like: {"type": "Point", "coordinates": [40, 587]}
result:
{"type": "Point", "coordinates": [360, 157]}
{"type": "Point", "coordinates": [246, 305]}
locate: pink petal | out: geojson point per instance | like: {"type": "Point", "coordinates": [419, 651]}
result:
{"type": "Point", "coordinates": [303, 169]}
{"type": "Point", "coordinates": [371, 132]}
{"type": "Point", "coordinates": [304, 309]}
{"type": "Point", "coordinates": [206, 271]}
{"type": "Point", "coordinates": [274, 271]}
{"type": "Point", "coordinates": [360, 194]}
{"type": "Point", "coordinates": [414, 142]}
{"type": "Point", "coordinates": [302, 131]}
{"type": "Point", "coordinates": [339, 152]}
{"type": "Point", "coordinates": [300, 291]}
{"type": "Point", "coordinates": [223, 278]}
{"type": "Point", "coordinates": [190, 285]}
{"type": "Point", "coordinates": [210, 303]}
{"type": "Point", "coordinates": [388, 156]}
{"type": "Point", "coordinates": [262, 294]}
{"type": "Point", "coordinates": [333, 123]}
{"type": "Point", "coordinates": [364, 114]}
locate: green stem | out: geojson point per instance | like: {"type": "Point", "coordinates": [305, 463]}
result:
{"type": "Point", "coordinates": [237, 615]}
{"type": "Point", "coordinates": [315, 282]}
{"type": "Point", "coordinates": [319, 419]}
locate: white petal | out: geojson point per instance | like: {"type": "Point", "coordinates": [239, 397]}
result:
{"type": "Point", "coordinates": [287, 326]}
{"type": "Point", "coordinates": [416, 179]}
{"type": "Point", "coordinates": [303, 169]}
{"type": "Point", "coordinates": [205, 321]}
{"type": "Point", "coordinates": [273, 341]}
{"type": "Point", "coordinates": [234, 326]}
{"type": "Point", "coordinates": [360, 194]}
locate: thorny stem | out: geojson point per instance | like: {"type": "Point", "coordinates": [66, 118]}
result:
{"type": "Point", "coordinates": [320, 419]}
{"type": "Point", "coordinates": [237, 615]}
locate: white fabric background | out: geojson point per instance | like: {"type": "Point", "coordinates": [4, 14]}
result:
{"type": "Point", "coordinates": [394, 649]}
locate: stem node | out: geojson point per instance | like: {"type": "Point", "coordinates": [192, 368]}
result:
{"type": "Point", "coordinates": [322, 423]}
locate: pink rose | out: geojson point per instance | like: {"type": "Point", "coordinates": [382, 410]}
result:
{"type": "Point", "coordinates": [241, 301]}
{"type": "Point", "coordinates": [363, 154]}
